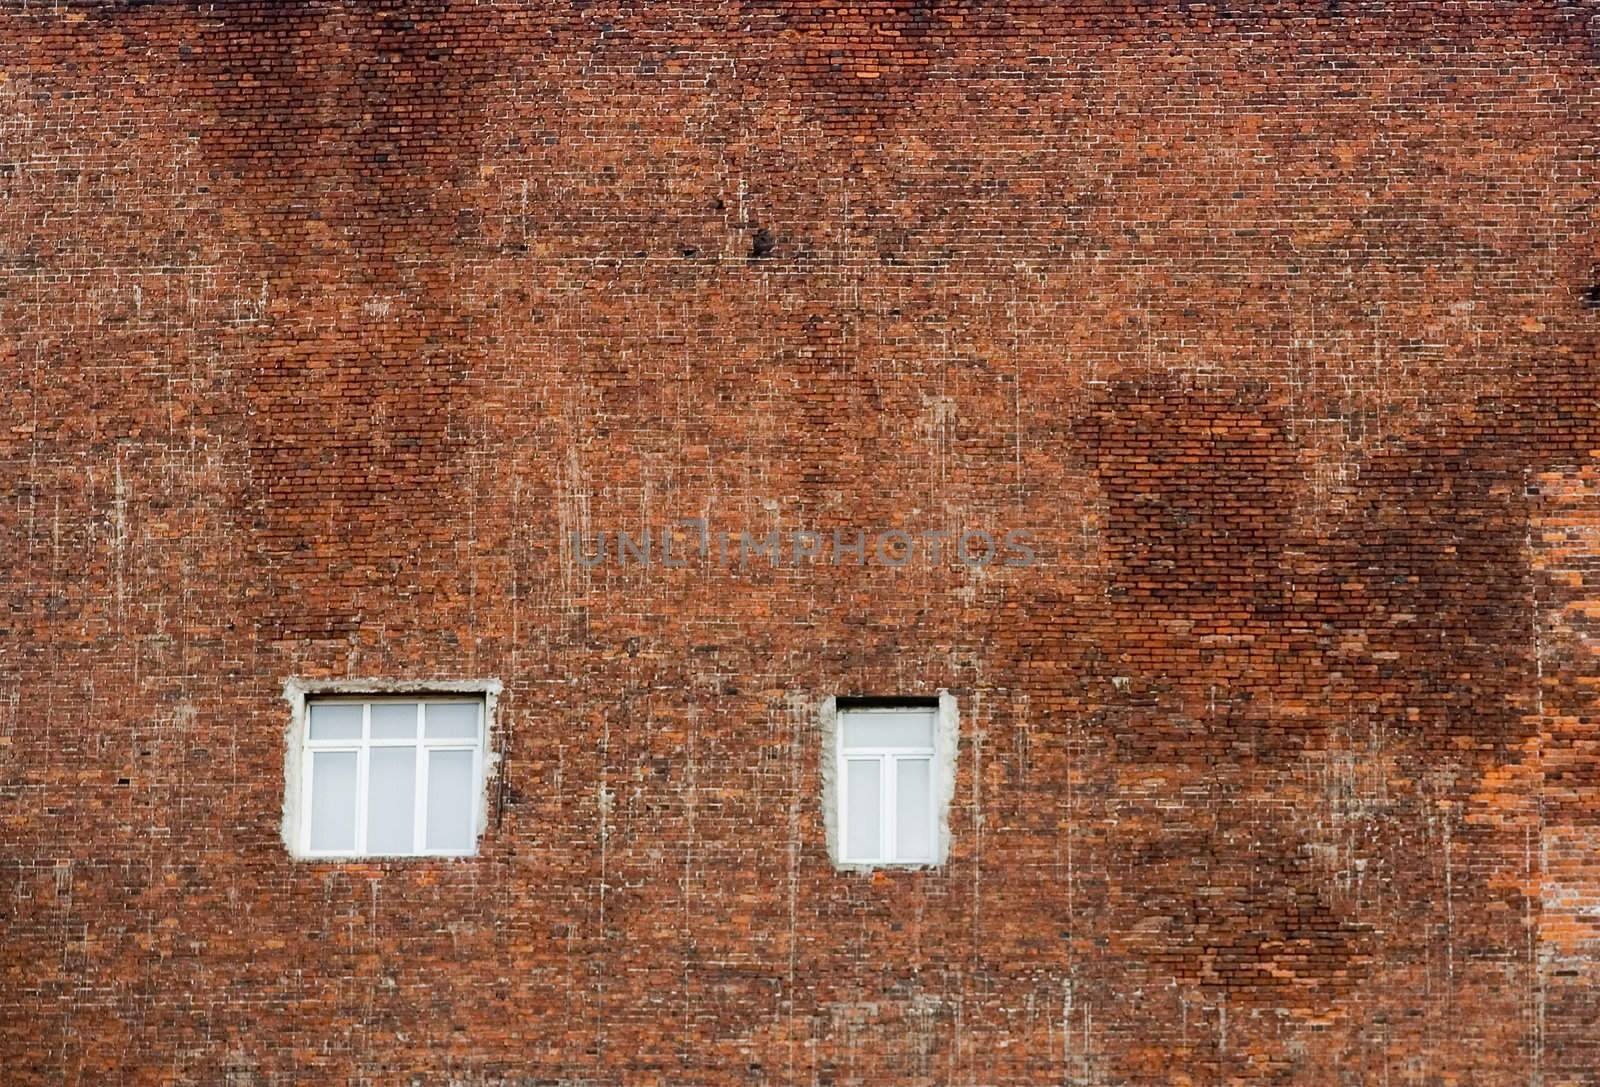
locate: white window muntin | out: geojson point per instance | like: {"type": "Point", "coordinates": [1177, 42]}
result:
{"type": "Point", "coordinates": [893, 737]}
{"type": "Point", "coordinates": [363, 746]}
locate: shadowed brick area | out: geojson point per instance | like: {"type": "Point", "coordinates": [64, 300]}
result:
{"type": "Point", "coordinates": [325, 326]}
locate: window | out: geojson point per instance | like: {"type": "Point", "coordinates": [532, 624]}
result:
{"type": "Point", "coordinates": [890, 782]}
{"type": "Point", "coordinates": [390, 777]}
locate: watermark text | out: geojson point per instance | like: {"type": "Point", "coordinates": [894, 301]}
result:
{"type": "Point", "coordinates": [693, 542]}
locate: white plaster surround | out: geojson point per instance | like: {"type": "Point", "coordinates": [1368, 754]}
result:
{"type": "Point", "coordinates": [298, 692]}
{"type": "Point", "coordinates": [946, 741]}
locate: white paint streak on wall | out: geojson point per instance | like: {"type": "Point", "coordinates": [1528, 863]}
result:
{"type": "Point", "coordinates": [119, 535]}
{"type": "Point", "coordinates": [691, 795]}
{"type": "Point", "coordinates": [978, 734]}
{"type": "Point", "coordinates": [1066, 1031]}
{"type": "Point", "coordinates": [802, 722]}
{"type": "Point", "coordinates": [572, 512]}
{"type": "Point", "coordinates": [1350, 784]}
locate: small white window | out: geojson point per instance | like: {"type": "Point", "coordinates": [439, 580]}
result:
{"type": "Point", "coordinates": [887, 762]}
{"type": "Point", "coordinates": [390, 777]}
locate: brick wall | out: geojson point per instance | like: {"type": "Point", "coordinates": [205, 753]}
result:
{"type": "Point", "coordinates": [325, 326]}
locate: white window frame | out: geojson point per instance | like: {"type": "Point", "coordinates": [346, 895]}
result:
{"type": "Point", "coordinates": [888, 760]}
{"type": "Point", "coordinates": [939, 754]}
{"type": "Point", "coordinates": [300, 767]}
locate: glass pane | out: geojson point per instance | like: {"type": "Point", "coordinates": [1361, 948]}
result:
{"type": "Point", "coordinates": [392, 798]}
{"type": "Point", "coordinates": [453, 721]}
{"type": "Point", "coordinates": [888, 728]}
{"type": "Point", "coordinates": [913, 825]}
{"type": "Point", "coordinates": [450, 800]}
{"type": "Point", "coordinates": [336, 720]}
{"type": "Point", "coordinates": [333, 800]}
{"type": "Point", "coordinates": [862, 815]}
{"type": "Point", "coordinates": [394, 720]}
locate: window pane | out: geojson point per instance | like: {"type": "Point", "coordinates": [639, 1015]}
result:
{"type": "Point", "coordinates": [450, 800]}
{"type": "Point", "coordinates": [333, 800]}
{"type": "Point", "coordinates": [336, 721]}
{"type": "Point", "coordinates": [888, 728]}
{"type": "Point", "coordinates": [912, 821]}
{"type": "Point", "coordinates": [392, 797]}
{"type": "Point", "coordinates": [453, 721]}
{"type": "Point", "coordinates": [863, 816]}
{"type": "Point", "coordinates": [394, 720]}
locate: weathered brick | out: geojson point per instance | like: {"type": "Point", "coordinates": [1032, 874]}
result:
{"type": "Point", "coordinates": [325, 325]}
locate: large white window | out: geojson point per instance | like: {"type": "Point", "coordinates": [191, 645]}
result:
{"type": "Point", "coordinates": [888, 784]}
{"type": "Point", "coordinates": [391, 777]}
